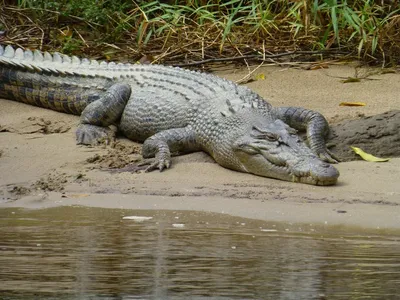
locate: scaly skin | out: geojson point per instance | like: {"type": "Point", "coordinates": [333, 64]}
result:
{"type": "Point", "coordinates": [172, 111]}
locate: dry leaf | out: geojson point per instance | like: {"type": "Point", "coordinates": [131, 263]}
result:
{"type": "Point", "coordinates": [351, 79]}
{"type": "Point", "coordinates": [316, 66]}
{"type": "Point", "coordinates": [260, 76]}
{"type": "Point", "coordinates": [146, 59]}
{"type": "Point", "coordinates": [367, 156]}
{"type": "Point", "coordinates": [352, 104]}
{"type": "Point", "coordinates": [67, 32]}
{"type": "Point", "coordinates": [388, 71]}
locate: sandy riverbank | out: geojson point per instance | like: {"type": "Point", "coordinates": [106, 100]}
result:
{"type": "Point", "coordinates": [40, 165]}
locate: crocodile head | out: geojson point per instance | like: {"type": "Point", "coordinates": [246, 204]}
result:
{"type": "Point", "coordinates": [273, 149]}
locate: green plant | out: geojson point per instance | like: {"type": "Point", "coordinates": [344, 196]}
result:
{"type": "Point", "coordinates": [204, 28]}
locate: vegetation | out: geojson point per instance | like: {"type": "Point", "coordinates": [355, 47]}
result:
{"type": "Point", "coordinates": [196, 30]}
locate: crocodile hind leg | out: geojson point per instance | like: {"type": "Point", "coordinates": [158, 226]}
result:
{"type": "Point", "coordinates": [314, 123]}
{"type": "Point", "coordinates": [100, 114]}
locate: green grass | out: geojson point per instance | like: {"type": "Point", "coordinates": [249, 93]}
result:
{"type": "Point", "coordinates": [200, 29]}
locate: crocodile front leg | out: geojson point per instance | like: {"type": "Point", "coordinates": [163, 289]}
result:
{"type": "Point", "coordinates": [314, 123]}
{"type": "Point", "coordinates": [172, 141]}
{"type": "Point", "coordinates": [100, 114]}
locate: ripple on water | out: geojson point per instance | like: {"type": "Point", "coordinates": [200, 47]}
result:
{"type": "Point", "coordinates": [80, 253]}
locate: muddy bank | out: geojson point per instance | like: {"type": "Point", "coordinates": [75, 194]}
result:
{"type": "Point", "coordinates": [377, 134]}
{"type": "Point", "coordinates": [41, 166]}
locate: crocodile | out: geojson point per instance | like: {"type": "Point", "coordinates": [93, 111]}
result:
{"type": "Point", "coordinates": [173, 111]}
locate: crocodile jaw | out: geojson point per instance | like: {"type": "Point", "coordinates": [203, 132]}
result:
{"type": "Point", "coordinates": [309, 170]}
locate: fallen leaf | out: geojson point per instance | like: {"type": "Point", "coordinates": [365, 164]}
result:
{"type": "Point", "coordinates": [351, 79]}
{"type": "Point", "coordinates": [66, 32]}
{"type": "Point", "coordinates": [388, 71]}
{"type": "Point", "coordinates": [260, 76]}
{"type": "Point", "coordinates": [315, 66]}
{"type": "Point", "coordinates": [146, 59]}
{"type": "Point", "coordinates": [367, 156]}
{"type": "Point", "coordinates": [352, 104]}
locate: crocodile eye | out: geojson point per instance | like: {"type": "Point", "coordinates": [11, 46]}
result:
{"type": "Point", "coordinates": [292, 131]}
{"type": "Point", "coordinates": [264, 135]}
{"type": "Point", "coordinates": [248, 149]}
{"type": "Point", "coordinates": [270, 137]}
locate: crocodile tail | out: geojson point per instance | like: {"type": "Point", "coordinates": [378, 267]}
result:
{"type": "Point", "coordinates": [38, 79]}
{"type": "Point", "coordinates": [57, 63]}
{"type": "Point", "coordinates": [38, 61]}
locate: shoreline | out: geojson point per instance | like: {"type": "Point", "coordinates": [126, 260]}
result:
{"type": "Point", "coordinates": [363, 215]}
{"type": "Point", "coordinates": [40, 165]}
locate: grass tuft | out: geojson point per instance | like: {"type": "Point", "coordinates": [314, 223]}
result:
{"type": "Point", "coordinates": [181, 31]}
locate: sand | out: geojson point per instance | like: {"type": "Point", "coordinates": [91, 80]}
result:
{"type": "Point", "coordinates": [41, 166]}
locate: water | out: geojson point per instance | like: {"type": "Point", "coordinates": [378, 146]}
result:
{"type": "Point", "coordinates": [90, 253]}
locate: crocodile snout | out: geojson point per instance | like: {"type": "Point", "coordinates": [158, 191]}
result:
{"type": "Point", "coordinates": [317, 172]}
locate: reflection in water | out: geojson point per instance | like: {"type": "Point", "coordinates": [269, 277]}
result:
{"type": "Point", "coordinates": [87, 253]}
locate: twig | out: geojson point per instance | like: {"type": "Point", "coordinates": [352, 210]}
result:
{"type": "Point", "coordinates": [81, 37]}
{"type": "Point", "coordinates": [247, 77]}
{"type": "Point", "coordinates": [256, 56]}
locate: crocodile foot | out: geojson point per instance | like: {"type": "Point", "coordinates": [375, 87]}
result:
{"type": "Point", "coordinates": [160, 162]}
{"type": "Point", "coordinates": [328, 156]}
{"type": "Point", "coordinates": [87, 134]}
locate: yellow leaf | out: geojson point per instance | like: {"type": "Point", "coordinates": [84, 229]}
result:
{"type": "Point", "coordinates": [352, 104]}
{"type": "Point", "coordinates": [367, 156]}
{"type": "Point", "coordinates": [260, 76]}
{"type": "Point", "coordinates": [351, 79]}
{"type": "Point", "coordinates": [67, 32]}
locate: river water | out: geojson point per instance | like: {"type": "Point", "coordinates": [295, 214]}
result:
{"type": "Point", "coordinates": [93, 253]}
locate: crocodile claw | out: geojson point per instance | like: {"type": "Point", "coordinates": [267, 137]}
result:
{"type": "Point", "coordinates": [159, 163]}
{"type": "Point", "coordinates": [328, 156]}
{"type": "Point", "coordinates": [87, 134]}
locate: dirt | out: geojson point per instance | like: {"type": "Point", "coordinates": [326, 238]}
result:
{"type": "Point", "coordinates": [378, 134]}
{"type": "Point", "coordinates": [37, 125]}
{"type": "Point", "coordinates": [119, 155]}
{"type": "Point", "coordinates": [41, 166]}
